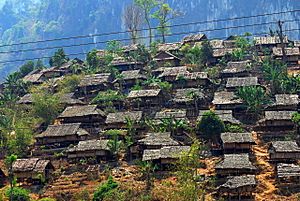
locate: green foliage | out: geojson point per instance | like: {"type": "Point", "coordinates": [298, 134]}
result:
{"type": "Point", "coordinates": [18, 194]}
{"type": "Point", "coordinates": [233, 128]}
{"type": "Point", "coordinates": [211, 126]}
{"type": "Point", "coordinates": [254, 98]}
{"type": "Point", "coordinates": [290, 84]}
{"type": "Point", "coordinates": [198, 55]}
{"type": "Point", "coordinates": [296, 118]}
{"type": "Point", "coordinates": [59, 58]}
{"type": "Point", "coordinates": [114, 47]}
{"type": "Point", "coordinates": [173, 125]}
{"type": "Point", "coordinates": [275, 72]}
{"type": "Point", "coordinates": [82, 196]}
{"type": "Point", "coordinates": [141, 54]}
{"type": "Point", "coordinates": [69, 83]}
{"type": "Point", "coordinates": [46, 106]}
{"type": "Point", "coordinates": [104, 189]}
{"type": "Point", "coordinates": [137, 87]}
{"type": "Point", "coordinates": [47, 199]}
{"type": "Point", "coordinates": [164, 14]}
{"type": "Point", "coordinates": [93, 61]}
{"type": "Point", "coordinates": [26, 68]}
{"type": "Point", "coordinates": [238, 55]}
{"type": "Point", "coordinates": [108, 96]}
{"type": "Point", "coordinates": [147, 170]}
{"type": "Point", "coordinates": [114, 144]}
{"type": "Point", "coordinates": [188, 187]}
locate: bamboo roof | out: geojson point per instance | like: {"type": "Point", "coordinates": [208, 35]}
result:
{"type": "Point", "coordinates": [226, 98]}
{"type": "Point", "coordinates": [269, 40]}
{"type": "Point", "coordinates": [285, 146]}
{"type": "Point", "coordinates": [95, 79]}
{"type": "Point", "coordinates": [158, 139]}
{"type": "Point", "coordinates": [90, 145]}
{"type": "Point", "coordinates": [288, 170]}
{"type": "Point", "coordinates": [236, 182]}
{"type": "Point", "coordinates": [224, 115]}
{"type": "Point", "coordinates": [63, 130]}
{"type": "Point", "coordinates": [81, 111]}
{"type": "Point", "coordinates": [120, 117]}
{"type": "Point", "coordinates": [289, 51]}
{"type": "Point", "coordinates": [170, 152]}
{"type": "Point", "coordinates": [30, 165]}
{"type": "Point", "coordinates": [236, 161]}
{"type": "Point", "coordinates": [237, 138]}
{"type": "Point", "coordinates": [241, 82]}
{"type": "Point", "coordinates": [144, 93]}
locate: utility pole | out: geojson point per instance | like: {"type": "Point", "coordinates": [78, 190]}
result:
{"type": "Point", "coordinates": [281, 38]}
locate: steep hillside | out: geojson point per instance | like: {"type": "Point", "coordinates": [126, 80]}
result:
{"type": "Point", "coordinates": [31, 20]}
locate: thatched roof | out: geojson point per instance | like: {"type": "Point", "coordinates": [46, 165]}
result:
{"type": "Point", "coordinates": [192, 75]}
{"type": "Point", "coordinates": [30, 165]}
{"type": "Point", "coordinates": [120, 61]}
{"type": "Point", "coordinates": [288, 170]}
{"type": "Point", "coordinates": [81, 111]}
{"type": "Point", "coordinates": [132, 75]}
{"type": "Point", "coordinates": [69, 99]}
{"type": "Point", "coordinates": [63, 130]}
{"type": "Point", "coordinates": [216, 44]}
{"type": "Point", "coordinates": [170, 152]}
{"type": "Point", "coordinates": [172, 71]}
{"type": "Point", "coordinates": [182, 95]}
{"type": "Point", "coordinates": [33, 77]}
{"type": "Point", "coordinates": [225, 115]}
{"type": "Point", "coordinates": [236, 67]}
{"type": "Point", "coordinates": [164, 56]}
{"type": "Point", "coordinates": [26, 99]}
{"type": "Point", "coordinates": [144, 93]}
{"type": "Point", "coordinates": [95, 79]}
{"type": "Point", "coordinates": [168, 113]}
{"type": "Point", "coordinates": [236, 182]}
{"type": "Point", "coordinates": [120, 117]}
{"type": "Point", "coordinates": [90, 145]}
{"type": "Point", "coordinates": [297, 43]}
{"type": "Point", "coordinates": [289, 51]}
{"type": "Point", "coordinates": [226, 98]}
{"type": "Point", "coordinates": [278, 115]}
{"type": "Point", "coordinates": [159, 139]}
{"type": "Point", "coordinates": [241, 82]}
{"type": "Point", "coordinates": [237, 138]}
{"type": "Point", "coordinates": [235, 161]}
{"type": "Point", "coordinates": [285, 146]}
{"type": "Point", "coordinates": [194, 38]}
{"type": "Point", "coordinates": [269, 40]}
{"type": "Point", "coordinates": [166, 47]}
{"type": "Point", "coordinates": [130, 48]}
{"type": "Point", "coordinates": [222, 52]}
{"type": "Point", "coordinates": [286, 99]}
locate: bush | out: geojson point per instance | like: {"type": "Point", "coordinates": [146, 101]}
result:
{"type": "Point", "coordinates": [69, 84]}
{"type": "Point", "coordinates": [105, 189]}
{"type": "Point", "coordinates": [232, 128]}
{"type": "Point", "coordinates": [18, 194]}
{"type": "Point", "coordinates": [108, 96]}
{"type": "Point", "coordinates": [211, 126]}
{"type": "Point", "coordinates": [47, 199]}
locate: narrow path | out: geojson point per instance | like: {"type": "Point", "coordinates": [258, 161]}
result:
{"type": "Point", "coordinates": [266, 183]}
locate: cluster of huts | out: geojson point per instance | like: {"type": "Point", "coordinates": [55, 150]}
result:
{"type": "Point", "coordinates": [80, 130]}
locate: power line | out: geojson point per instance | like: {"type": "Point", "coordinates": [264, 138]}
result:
{"type": "Point", "coordinates": [169, 26]}
{"type": "Point", "coordinates": [83, 53]}
{"type": "Point", "coordinates": [143, 37]}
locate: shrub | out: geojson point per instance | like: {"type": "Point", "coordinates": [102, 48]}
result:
{"type": "Point", "coordinates": [107, 96]}
{"type": "Point", "coordinates": [18, 194]}
{"type": "Point", "coordinates": [211, 126]}
{"type": "Point", "coordinates": [47, 199]}
{"type": "Point", "coordinates": [104, 189]}
{"type": "Point", "coordinates": [233, 128]}
{"type": "Point", "coordinates": [69, 84]}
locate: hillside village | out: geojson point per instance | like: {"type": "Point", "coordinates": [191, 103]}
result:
{"type": "Point", "coordinates": [198, 119]}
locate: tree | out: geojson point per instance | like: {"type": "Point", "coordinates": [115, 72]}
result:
{"type": "Point", "coordinates": [274, 72]}
{"type": "Point", "coordinates": [69, 83]}
{"type": "Point", "coordinates": [187, 165]}
{"type": "Point", "coordinates": [26, 68]}
{"type": "Point", "coordinates": [147, 6]}
{"type": "Point", "coordinates": [254, 98]}
{"type": "Point", "coordinates": [93, 61]}
{"type": "Point", "coordinates": [46, 106]}
{"type": "Point", "coordinates": [198, 55]}
{"type": "Point", "coordinates": [9, 163]}
{"type": "Point", "coordinates": [39, 64]}
{"type": "Point", "coordinates": [133, 21]}
{"type": "Point", "coordinates": [164, 15]}
{"type": "Point", "coordinates": [18, 194]}
{"type": "Point", "coordinates": [211, 126]}
{"type": "Point", "coordinates": [59, 58]}
{"type": "Point", "coordinates": [147, 170]}
{"type": "Point", "coordinates": [114, 144]}
{"type": "Point", "coordinates": [104, 189]}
